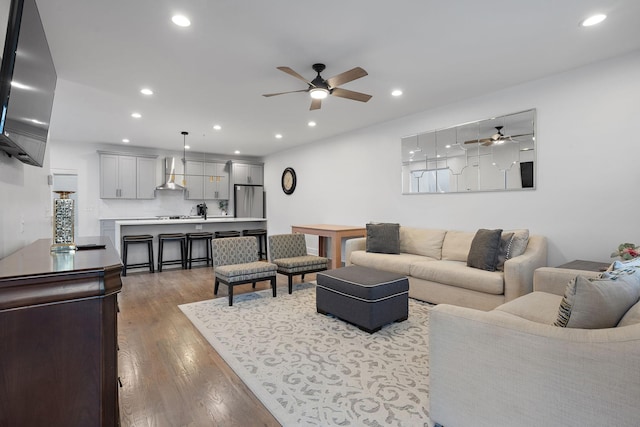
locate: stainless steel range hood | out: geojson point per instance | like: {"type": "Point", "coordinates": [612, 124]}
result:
{"type": "Point", "coordinates": [170, 175]}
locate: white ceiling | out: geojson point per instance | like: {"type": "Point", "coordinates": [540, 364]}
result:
{"type": "Point", "coordinates": [215, 71]}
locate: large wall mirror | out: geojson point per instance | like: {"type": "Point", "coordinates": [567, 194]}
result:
{"type": "Point", "coordinates": [487, 155]}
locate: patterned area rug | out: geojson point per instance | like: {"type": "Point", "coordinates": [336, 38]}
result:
{"type": "Point", "coordinates": [310, 369]}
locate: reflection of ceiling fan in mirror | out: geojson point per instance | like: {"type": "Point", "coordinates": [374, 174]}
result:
{"type": "Point", "coordinates": [320, 88]}
{"type": "Point", "coordinates": [496, 138]}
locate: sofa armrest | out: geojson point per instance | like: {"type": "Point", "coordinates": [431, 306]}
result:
{"type": "Point", "coordinates": [554, 280]}
{"type": "Point", "coordinates": [518, 271]}
{"type": "Point", "coordinates": [497, 369]}
{"type": "Point", "coordinates": [351, 245]}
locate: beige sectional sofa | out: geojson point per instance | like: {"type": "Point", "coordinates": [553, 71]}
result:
{"type": "Point", "coordinates": [435, 261]}
{"type": "Point", "coordinates": [512, 367]}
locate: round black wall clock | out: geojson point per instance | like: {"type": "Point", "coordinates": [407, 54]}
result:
{"type": "Point", "coordinates": [288, 181]}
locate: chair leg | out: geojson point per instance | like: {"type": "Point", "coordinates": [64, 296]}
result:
{"type": "Point", "coordinates": [150, 254]}
{"type": "Point", "coordinates": [273, 285]}
{"type": "Point", "coordinates": [182, 257]}
{"type": "Point", "coordinates": [290, 284]}
{"type": "Point", "coordinates": [160, 251]}
{"type": "Point", "coordinates": [253, 285]}
{"type": "Point", "coordinates": [230, 286]}
{"type": "Point", "coordinates": [216, 286]}
{"type": "Point", "coordinates": [189, 253]}
{"type": "Point", "coordinates": [124, 258]}
{"type": "Point", "coordinates": [302, 278]}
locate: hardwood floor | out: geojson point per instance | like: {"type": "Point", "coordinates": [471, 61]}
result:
{"type": "Point", "coordinates": [171, 376]}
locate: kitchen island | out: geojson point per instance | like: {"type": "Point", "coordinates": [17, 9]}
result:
{"type": "Point", "coordinates": [138, 253]}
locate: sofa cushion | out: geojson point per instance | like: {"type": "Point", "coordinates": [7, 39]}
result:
{"type": "Point", "coordinates": [539, 307]}
{"type": "Point", "coordinates": [598, 303]}
{"type": "Point", "coordinates": [422, 241]}
{"type": "Point", "coordinates": [383, 238]}
{"type": "Point", "coordinates": [400, 264]}
{"type": "Point", "coordinates": [484, 249]}
{"type": "Point", "coordinates": [456, 273]}
{"type": "Point", "coordinates": [632, 316]}
{"type": "Point", "coordinates": [456, 245]}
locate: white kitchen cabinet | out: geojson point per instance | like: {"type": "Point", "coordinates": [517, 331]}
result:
{"type": "Point", "coordinates": [207, 181]}
{"type": "Point", "coordinates": [248, 173]}
{"type": "Point", "coordinates": [216, 181]}
{"type": "Point", "coordinates": [127, 176]}
{"type": "Point", "coordinates": [194, 183]}
{"type": "Point", "coordinates": [146, 178]}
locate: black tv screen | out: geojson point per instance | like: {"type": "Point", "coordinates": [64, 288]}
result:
{"type": "Point", "coordinates": [27, 84]}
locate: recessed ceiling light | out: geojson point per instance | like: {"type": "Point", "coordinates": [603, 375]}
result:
{"type": "Point", "coordinates": [217, 127]}
{"type": "Point", "coordinates": [396, 92]}
{"type": "Point", "coordinates": [593, 20]}
{"type": "Point", "coordinates": [125, 140]}
{"type": "Point", "coordinates": [146, 91]}
{"type": "Point", "coordinates": [136, 115]}
{"type": "Point", "coordinates": [181, 20]}
{"type": "Point", "coordinates": [278, 135]}
{"type": "Point", "coordinates": [236, 152]}
{"type": "Point", "coordinates": [311, 124]}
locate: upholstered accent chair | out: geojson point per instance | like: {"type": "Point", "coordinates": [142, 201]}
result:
{"type": "Point", "coordinates": [235, 262]}
{"type": "Point", "coordinates": [289, 253]}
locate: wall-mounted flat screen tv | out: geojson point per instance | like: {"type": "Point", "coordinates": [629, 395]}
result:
{"type": "Point", "coordinates": [27, 83]}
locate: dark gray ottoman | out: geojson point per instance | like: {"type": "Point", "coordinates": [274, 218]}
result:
{"type": "Point", "coordinates": [363, 296]}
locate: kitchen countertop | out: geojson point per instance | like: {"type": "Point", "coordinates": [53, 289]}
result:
{"type": "Point", "coordinates": [156, 221]}
{"type": "Point", "coordinates": [156, 217]}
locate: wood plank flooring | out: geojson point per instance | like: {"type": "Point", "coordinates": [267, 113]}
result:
{"type": "Point", "coordinates": [171, 376]}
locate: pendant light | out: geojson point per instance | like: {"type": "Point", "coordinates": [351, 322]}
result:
{"type": "Point", "coordinates": [184, 156]}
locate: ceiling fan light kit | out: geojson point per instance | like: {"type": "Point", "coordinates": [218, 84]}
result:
{"type": "Point", "coordinates": [320, 88]}
{"type": "Point", "coordinates": [319, 93]}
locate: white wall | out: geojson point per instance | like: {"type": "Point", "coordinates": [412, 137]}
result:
{"type": "Point", "coordinates": [25, 204]}
{"type": "Point", "coordinates": [588, 150]}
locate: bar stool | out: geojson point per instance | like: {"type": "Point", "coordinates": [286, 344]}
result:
{"type": "Point", "coordinates": [133, 239]}
{"type": "Point", "coordinates": [172, 237]}
{"type": "Point", "coordinates": [261, 235]}
{"type": "Point", "coordinates": [223, 234]}
{"type": "Point", "coordinates": [204, 236]}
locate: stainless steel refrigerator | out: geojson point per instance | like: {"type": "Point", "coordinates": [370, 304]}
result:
{"type": "Point", "coordinates": [248, 201]}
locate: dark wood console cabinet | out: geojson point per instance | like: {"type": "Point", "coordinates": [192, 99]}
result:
{"type": "Point", "coordinates": [58, 336]}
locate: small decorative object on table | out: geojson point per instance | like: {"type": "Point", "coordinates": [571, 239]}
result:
{"type": "Point", "coordinates": [626, 251]}
{"type": "Point", "coordinates": [63, 218]}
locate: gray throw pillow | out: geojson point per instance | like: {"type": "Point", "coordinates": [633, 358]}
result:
{"type": "Point", "coordinates": [484, 249]}
{"type": "Point", "coordinates": [383, 238]}
{"type": "Point", "coordinates": [598, 303]}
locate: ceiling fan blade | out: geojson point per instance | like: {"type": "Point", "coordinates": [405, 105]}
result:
{"type": "Point", "coordinates": [347, 76]}
{"type": "Point", "coordinates": [349, 94]}
{"type": "Point", "coordinates": [315, 104]}
{"type": "Point", "coordinates": [296, 75]}
{"type": "Point", "coordinates": [480, 141]}
{"type": "Point", "coordinates": [282, 93]}
{"type": "Point", "coordinates": [518, 136]}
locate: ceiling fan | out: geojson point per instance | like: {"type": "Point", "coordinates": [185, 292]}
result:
{"type": "Point", "coordinates": [496, 138]}
{"type": "Point", "coordinates": [320, 88]}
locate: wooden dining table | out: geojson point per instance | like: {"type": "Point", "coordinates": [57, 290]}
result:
{"type": "Point", "coordinates": [333, 232]}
